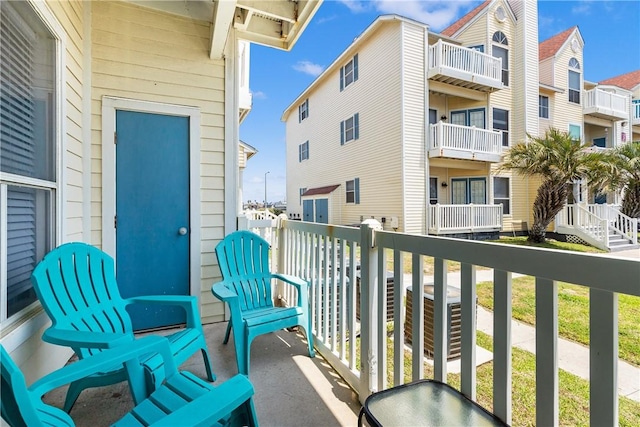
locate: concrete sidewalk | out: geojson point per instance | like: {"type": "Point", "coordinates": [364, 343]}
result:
{"type": "Point", "coordinates": [572, 357]}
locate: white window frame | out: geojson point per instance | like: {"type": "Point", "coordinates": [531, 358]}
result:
{"type": "Point", "coordinates": [542, 108]}
{"type": "Point", "coordinates": [304, 151]}
{"type": "Point", "coordinates": [502, 131]}
{"type": "Point", "coordinates": [349, 74]}
{"type": "Point", "coordinates": [20, 334]}
{"type": "Point", "coordinates": [348, 129]}
{"type": "Point", "coordinates": [352, 191]}
{"type": "Point", "coordinates": [303, 109]}
{"type": "Point", "coordinates": [508, 199]}
{"type": "Point", "coordinates": [574, 69]}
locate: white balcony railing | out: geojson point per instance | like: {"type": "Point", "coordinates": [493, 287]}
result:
{"type": "Point", "coordinates": [357, 349]}
{"type": "Point", "coordinates": [600, 103]}
{"type": "Point", "coordinates": [464, 142]}
{"type": "Point", "coordinates": [464, 67]}
{"type": "Point", "coordinates": [448, 219]}
{"type": "Point", "coordinates": [635, 108]}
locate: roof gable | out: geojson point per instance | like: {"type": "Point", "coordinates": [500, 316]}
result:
{"type": "Point", "coordinates": [456, 26]}
{"type": "Point", "coordinates": [551, 46]}
{"type": "Point", "coordinates": [627, 81]}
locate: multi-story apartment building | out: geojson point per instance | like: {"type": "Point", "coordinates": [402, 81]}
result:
{"type": "Point", "coordinates": [409, 126]}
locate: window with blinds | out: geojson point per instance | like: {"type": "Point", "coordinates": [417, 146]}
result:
{"type": "Point", "coordinates": [27, 150]}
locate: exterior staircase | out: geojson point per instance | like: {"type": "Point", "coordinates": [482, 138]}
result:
{"type": "Point", "coordinates": [599, 225]}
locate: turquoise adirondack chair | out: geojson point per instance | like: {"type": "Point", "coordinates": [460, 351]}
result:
{"type": "Point", "coordinates": [243, 258]}
{"type": "Point", "coordinates": [183, 399]}
{"type": "Point", "coordinates": [77, 287]}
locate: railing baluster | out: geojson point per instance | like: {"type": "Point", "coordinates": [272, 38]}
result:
{"type": "Point", "coordinates": [468, 367]}
{"type": "Point", "coordinates": [603, 354]}
{"type": "Point", "coordinates": [333, 301]}
{"type": "Point", "coordinates": [343, 306]}
{"type": "Point", "coordinates": [440, 326]}
{"type": "Point", "coordinates": [398, 318]}
{"type": "Point", "coordinates": [502, 345]}
{"type": "Point", "coordinates": [382, 318]}
{"type": "Point", "coordinates": [352, 305]}
{"type": "Point", "coordinates": [417, 317]}
{"type": "Point", "coordinates": [547, 406]}
{"type": "Point", "coordinates": [325, 289]}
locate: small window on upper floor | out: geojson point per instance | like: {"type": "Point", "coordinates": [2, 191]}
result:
{"type": "Point", "coordinates": [349, 73]}
{"type": "Point", "coordinates": [501, 52]}
{"type": "Point", "coordinates": [303, 151]}
{"type": "Point", "coordinates": [574, 81]}
{"type": "Point", "coordinates": [543, 106]}
{"type": "Point", "coordinates": [350, 129]}
{"type": "Point", "coordinates": [353, 191]}
{"type": "Point", "coordinates": [500, 38]}
{"type": "Point", "coordinates": [303, 110]}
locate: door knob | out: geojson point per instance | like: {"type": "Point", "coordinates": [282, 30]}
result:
{"type": "Point", "coordinates": [182, 231]}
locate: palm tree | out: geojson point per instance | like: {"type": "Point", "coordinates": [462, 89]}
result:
{"type": "Point", "coordinates": [624, 175]}
{"type": "Point", "coordinates": [559, 160]}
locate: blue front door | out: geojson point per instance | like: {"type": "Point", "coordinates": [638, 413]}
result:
{"type": "Point", "coordinates": [322, 211]}
{"type": "Point", "coordinates": [152, 213]}
{"type": "Point", "coordinates": [307, 210]}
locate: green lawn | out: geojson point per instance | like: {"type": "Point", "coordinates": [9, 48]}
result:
{"type": "Point", "coordinates": [573, 391]}
{"type": "Point", "coordinates": [550, 244]}
{"type": "Point", "coordinates": [573, 313]}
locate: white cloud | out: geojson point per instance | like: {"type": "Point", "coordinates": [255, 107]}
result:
{"type": "Point", "coordinates": [308, 67]}
{"type": "Point", "coordinates": [259, 95]}
{"type": "Point", "coordinates": [438, 14]}
{"type": "Point", "coordinates": [582, 8]}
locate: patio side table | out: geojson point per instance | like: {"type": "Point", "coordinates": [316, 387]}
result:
{"type": "Point", "coordinates": [424, 403]}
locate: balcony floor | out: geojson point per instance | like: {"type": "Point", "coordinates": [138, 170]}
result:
{"type": "Point", "coordinates": [291, 389]}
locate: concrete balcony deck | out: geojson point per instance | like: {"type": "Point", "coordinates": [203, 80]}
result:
{"type": "Point", "coordinates": [291, 389]}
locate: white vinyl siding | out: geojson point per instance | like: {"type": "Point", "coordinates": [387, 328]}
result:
{"type": "Point", "coordinates": [565, 112]}
{"type": "Point", "coordinates": [376, 156]}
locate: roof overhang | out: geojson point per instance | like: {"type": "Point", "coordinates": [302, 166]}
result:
{"type": "Point", "coordinates": [274, 23]}
{"type": "Point", "coordinates": [551, 88]}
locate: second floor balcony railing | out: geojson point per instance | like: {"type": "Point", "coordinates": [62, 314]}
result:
{"type": "Point", "coordinates": [606, 105]}
{"type": "Point", "coordinates": [464, 142]}
{"type": "Point", "coordinates": [461, 66]}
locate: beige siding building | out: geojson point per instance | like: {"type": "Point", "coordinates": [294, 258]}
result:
{"type": "Point", "coordinates": [433, 115]}
{"type": "Point", "coordinates": [75, 73]}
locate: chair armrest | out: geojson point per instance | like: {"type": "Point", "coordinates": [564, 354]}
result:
{"type": "Point", "coordinates": [211, 407]}
{"type": "Point", "coordinates": [222, 291]}
{"type": "Point", "coordinates": [293, 280]}
{"type": "Point", "coordinates": [188, 302]}
{"type": "Point", "coordinates": [85, 339]}
{"type": "Point", "coordinates": [105, 361]}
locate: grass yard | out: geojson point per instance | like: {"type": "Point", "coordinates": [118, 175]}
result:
{"type": "Point", "coordinates": [573, 391]}
{"type": "Point", "coordinates": [573, 313]}
{"type": "Point", "coordinates": [549, 244]}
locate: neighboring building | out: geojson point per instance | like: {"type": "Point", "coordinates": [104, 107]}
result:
{"type": "Point", "coordinates": [246, 151]}
{"type": "Point", "coordinates": [409, 126]}
{"type": "Point", "coordinates": [630, 82]}
{"type": "Point", "coordinates": [87, 83]}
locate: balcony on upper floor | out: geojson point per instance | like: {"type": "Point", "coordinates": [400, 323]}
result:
{"type": "Point", "coordinates": [464, 67]}
{"type": "Point", "coordinates": [464, 142]}
{"type": "Point", "coordinates": [605, 105]}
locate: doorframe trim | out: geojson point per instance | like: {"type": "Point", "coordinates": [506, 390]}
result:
{"type": "Point", "coordinates": [109, 107]}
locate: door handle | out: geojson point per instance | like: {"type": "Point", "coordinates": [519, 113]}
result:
{"type": "Point", "coordinates": [182, 231]}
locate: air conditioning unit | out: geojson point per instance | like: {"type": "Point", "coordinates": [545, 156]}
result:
{"type": "Point", "coordinates": [393, 222]}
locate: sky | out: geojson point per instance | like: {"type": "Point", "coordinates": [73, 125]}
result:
{"type": "Point", "coordinates": [610, 29]}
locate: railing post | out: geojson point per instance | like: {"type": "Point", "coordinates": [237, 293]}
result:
{"type": "Point", "coordinates": [634, 231]}
{"type": "Point", "coordinates": [437, 221]}
{"type": "Point", "coordinates": [472, 217]}
{"type": "Point", "coordinates": [368, 303]}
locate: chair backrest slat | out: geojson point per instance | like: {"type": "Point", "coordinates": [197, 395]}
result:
{"type": "Point", "coordinates": [77, 287]}
{"type": "Point", "coordinates": [243, 257]}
